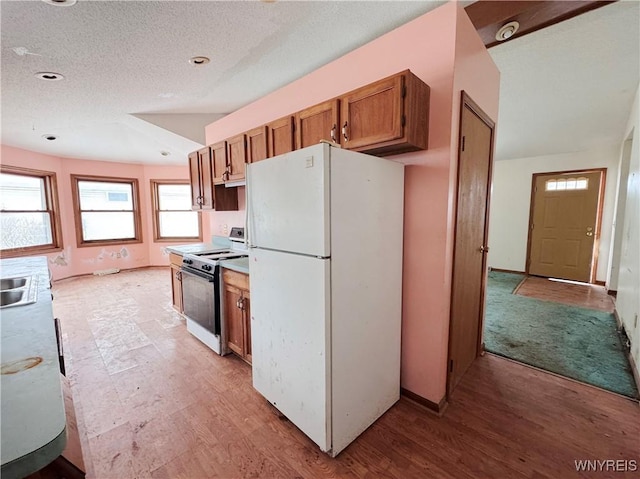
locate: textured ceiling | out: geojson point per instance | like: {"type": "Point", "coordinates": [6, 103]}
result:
{"type": "Point", "coordinates": [126, 58]}
{"type": "Point", "coordinates": [129, 91]}
{"type": "Point", "coordinates": [569, 87]}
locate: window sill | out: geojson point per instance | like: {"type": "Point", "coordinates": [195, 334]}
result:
{"type": "Point", "coordinates": [178, 240]}
{"type": "Point", "coordinates": [115, 242]}
{"type": "Point", "coordinates": [33, 251]}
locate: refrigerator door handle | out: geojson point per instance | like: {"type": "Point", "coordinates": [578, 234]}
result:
{"type": "Point", "coordinates": [247, 214]}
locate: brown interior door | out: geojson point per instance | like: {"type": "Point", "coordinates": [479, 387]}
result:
{"type": "Point", "coordinates": [564, 225]}
{"type": "Point", "coordinates": [469, 262]}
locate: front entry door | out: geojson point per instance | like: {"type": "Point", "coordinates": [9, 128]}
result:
{"type": "Point", "coordinates": [469, 258]}
{"type": "Point", "coordinates": [564, 225]}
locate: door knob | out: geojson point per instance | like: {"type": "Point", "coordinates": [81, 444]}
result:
{"type": "Point", "coordinates": [483, 249]}
{"type": "Point", "coordinates": [589, 233]}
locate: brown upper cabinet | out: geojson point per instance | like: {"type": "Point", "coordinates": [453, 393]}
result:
{"type": "Point", "coordinates": [257, 144]}
{"type": "Point", "coordinates": [319, 122]}
{"type": "Point", "coordinates": [219, 161]}
{"type": "Point", "coordinates": [387, 117]}
{"type": "Point", "coordinates": [204, 165]}
{"type": "Point", "coordinates": [236, 157]}
{"type": "Point", "coordinates": [281, 138]}
{"type": "Point", "coordinates": [200, 176]}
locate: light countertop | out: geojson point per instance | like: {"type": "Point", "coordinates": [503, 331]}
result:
{"type": "Point", "coordinates": [32, 412]}
{"type": "Point", "coordinates": [240, 265]}
{"type": "Point", "coordinates": [194, 248]}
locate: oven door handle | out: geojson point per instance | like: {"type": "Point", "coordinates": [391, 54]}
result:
{"type": "Point", "coordinates": [192, 272]}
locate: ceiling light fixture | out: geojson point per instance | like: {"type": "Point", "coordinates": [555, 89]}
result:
{"type": "Point", "coordinates": [50, 137]}
{"type": "Point", "coordinates": [507, 31]}
{"type": "Point", "coordinates": [165, 153]}
{"type": "Point", "coordinates": [197, 61]}
{"type": "Point", "coordinates": [61, 3]}
{"type": "Point", "coordinates": [49, 76]}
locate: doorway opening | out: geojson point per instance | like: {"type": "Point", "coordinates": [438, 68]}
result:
{"type": "Point", "coordinates": [553, 316]}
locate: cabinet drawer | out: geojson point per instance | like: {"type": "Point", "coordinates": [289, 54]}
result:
{"type": "Point", "coordinates": [239, 280]}
{"type": "Point", "coordinates": [175, 259]}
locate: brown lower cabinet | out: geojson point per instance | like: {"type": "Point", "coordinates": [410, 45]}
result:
{"type": "Point", "coordinates": [176, 282]}
{"type": "Point", "coordinates": [237, 313]}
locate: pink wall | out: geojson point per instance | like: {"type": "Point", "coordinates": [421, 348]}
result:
{"type": "Point", "coordinates": [443, 49]}
{"type": "Point", "coordinates": [74, 261]}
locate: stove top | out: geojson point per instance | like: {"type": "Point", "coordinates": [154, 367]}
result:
{"type": "Point", "coordinates": [208, 261]}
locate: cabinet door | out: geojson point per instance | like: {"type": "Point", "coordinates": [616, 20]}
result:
{"type": "Point", "coordinates": [320, 122]}
{"type": "Point", "coordinates": [246, 309]}
{"type": "Point", "coordinates": [257, 144]}
{"type": "Point", "coordinates": [236, 157]}
{"type": "Point", "coordinates": [176, 288]}
{"type": "Point", "coordinates": [194, 179]}
{"type": "Point", "coordinates": [219, 161]}
{"type": "Point", "coordinates": [281, 139]}
{"type": "Point", "coordinates": [372, 114]}
{"type": "Point", "coordinates": [234, 318]}
{"type": "Point", "coordinates": [206, 178]}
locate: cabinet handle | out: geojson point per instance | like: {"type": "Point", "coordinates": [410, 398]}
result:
{"type": "Point", "coordinates": [225, 175]}
{"type": "Point", "coordinates": [333, 133]}
{"type": "Point", "coordinates": [344, 131]}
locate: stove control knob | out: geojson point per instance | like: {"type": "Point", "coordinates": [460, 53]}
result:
{"type": "Point", "coordinates": [188, 261]}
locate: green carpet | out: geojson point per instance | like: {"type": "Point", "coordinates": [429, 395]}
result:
{"type": "Point", "coordinates": [579, 343]}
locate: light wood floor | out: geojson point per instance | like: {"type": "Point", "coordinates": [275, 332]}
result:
{"type": "Point", "coordinates": [154, 402]}
{"type": "Point", "coordinates": [590, 296]}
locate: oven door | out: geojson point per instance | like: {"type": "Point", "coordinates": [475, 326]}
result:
{"type": "Point", "coordinates": [200, 298]}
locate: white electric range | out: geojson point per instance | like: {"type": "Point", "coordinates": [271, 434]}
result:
{"type": "Point", "coordinates": [201, 291]}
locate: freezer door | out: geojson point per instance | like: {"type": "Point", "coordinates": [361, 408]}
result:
{"type": "Point", "coordinates": [290, 338]}
{"type": "Point", "coordinates": [288, 202]}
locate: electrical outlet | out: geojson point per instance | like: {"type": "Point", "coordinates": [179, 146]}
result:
{"type": "Point", "coordinates": [225, 229]}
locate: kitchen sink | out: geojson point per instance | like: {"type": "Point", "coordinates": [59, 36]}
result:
{"type": "Point", "coordinates": [7, 298]}
{"type": "Point", "coordinates": [18, 291]}
{"type": "Point", "coordinates": [12, 283]}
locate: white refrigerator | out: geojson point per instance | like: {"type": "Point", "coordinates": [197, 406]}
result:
{"type": "Point", "coordinates": [325, 237]}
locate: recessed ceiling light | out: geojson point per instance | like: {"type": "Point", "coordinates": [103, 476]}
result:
{"type": "Point", "coordinates": [199, 61]}
{"type": "Point", "coordinates": [61, 3]}
{"type": "Point", "coordinates": [49, 76]}
{"type": "Point", "coordinates": [50, 137]}
{"type": "Point", "coordinates": [165, 153]}
{"type": "Point", "coordinates": [507, 31]}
